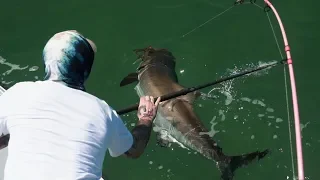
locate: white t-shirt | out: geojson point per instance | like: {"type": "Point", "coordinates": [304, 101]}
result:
{"type": "Point", "coordinates": [58, 133]}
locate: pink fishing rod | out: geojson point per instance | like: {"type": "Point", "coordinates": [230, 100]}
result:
{"type": "Point", "coordinates": [294, 95]}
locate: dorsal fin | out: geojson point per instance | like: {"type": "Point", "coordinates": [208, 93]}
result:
{"type": "Point", "coordinates": [130, 78]}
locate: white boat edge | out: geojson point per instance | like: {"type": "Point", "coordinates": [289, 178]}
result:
{"type": "Point", "coordinates": [4, 151]}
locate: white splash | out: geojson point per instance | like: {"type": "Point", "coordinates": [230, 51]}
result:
{"type": "Point", "coordinates": [165, 135]}
{"type": "Point", "coordinates": [252, 137]}
{"type": "Point", "coordinates": [228, 99]}
{"type": "Point", "coordinates": [33, 68]}
{"type": "Point", "coordinates": [270, 109]}
{"type": "Point", "coordinates": [245, 99]}
{"type": "Point", "coordinates": [278, 120]}
{"type": "Point", "coordinates": [223, 116]}
{"type": "Point", "coordinates": [12, 66]}
{"type": "Point", "coordinates": [302, 126]}
{"type": "Point", "coordinates": [212, 131]}
{"type": "Point", "coordinates": [258, 102]}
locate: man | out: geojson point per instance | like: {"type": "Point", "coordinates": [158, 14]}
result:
{"type": "Point", "coordinates": [57, 130]}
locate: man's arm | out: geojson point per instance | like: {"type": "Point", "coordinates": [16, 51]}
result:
{"type": "Point", "coordinates": [141, 135]}
{"type": "Point", "coordinates": [141, 132]}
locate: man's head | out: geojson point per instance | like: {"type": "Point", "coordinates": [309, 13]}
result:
{"type": "Point", "coordinates": [68, 57]}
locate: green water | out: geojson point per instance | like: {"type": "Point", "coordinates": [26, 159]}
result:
{"type": "Point", "coordinates": [234, 40]}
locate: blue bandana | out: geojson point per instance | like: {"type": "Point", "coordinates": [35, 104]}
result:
{"type": "Point", "coordinates": [68, 58]}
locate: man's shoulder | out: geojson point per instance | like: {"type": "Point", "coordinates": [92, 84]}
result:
{"type": "Point", "coordinates": [20, 85]}
{"type": "Point", "coordinates": [14, 93]}
{"type": "Point", "coordinates": [23, 83]}
{"type": "Point", "coordinates": [108, 109]}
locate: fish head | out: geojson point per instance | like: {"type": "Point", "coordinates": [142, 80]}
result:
{"type": "Point", "coordinates": [151, 57]}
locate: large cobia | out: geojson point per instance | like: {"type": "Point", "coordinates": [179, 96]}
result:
{"type": "Point", "coordinates": [176, 119]}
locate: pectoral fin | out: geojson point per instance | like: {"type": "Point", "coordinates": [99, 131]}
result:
{"type": "Point", "coordinates": [130, 78]}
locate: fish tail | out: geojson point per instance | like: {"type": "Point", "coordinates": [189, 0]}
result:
{"type": "Point", "coordinates": [232, 163]}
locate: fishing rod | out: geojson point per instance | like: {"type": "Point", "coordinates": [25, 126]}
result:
{"type": "Point", "coordinates": [192, 89]}
{"type": "Point", "coordinates": [298, 138]}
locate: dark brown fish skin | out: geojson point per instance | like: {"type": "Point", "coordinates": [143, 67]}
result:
{"type": "Point", "coordinates": [157, 77]}
{"type": "Point", "coordinates": [157, 81]}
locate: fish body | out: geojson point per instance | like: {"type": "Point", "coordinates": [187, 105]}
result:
{"type": "Point", "coordinates": [176, 120]}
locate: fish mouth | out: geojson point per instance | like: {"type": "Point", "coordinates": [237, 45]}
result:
{"type": "Point", "coordinates": [152, 56]}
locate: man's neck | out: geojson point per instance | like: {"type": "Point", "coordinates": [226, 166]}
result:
{"type": "Point", "coordinates": [82, 88]}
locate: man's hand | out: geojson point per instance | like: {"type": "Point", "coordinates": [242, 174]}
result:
{"type": "Point", "coordinates": [147, 108]}
{"type": "Point", "coordinates": [141, 132]}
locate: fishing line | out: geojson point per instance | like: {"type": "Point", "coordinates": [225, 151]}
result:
{"type": "Point", "coordinates": [214, 17]}
{"type": "Point", "coordinates": [238, 2]}
{"type": "Point", "coordinates": [267, 9]}
{"type": "Point", "coordinates": [287, 98]}
{"type": "Point", "coordinates": [286, 87]}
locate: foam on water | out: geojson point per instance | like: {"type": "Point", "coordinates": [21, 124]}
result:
{"type": "Point", "coordinates": [226, 91]}
{"type": "Point", "coordinates": [14, 67]}
{"type": "Point", "coordinates": [221, 113]}
{"type": "Point", "coordinates": [258, 102]}
{"type": "Point", "coordinates": [34, 68]}
{"type": "Point", "coordinates": [270, 109]}
{"type": "Point", "coordinates": [161, 168]}
{"type": "Point", "coordinates": [212, 131]}
{"type": "Point", "coordinates": [302, 126]}
{"type": "Point", "coordinates": [245, 99]}
{"type": "Point", "coordinates": [278, 120]}
{"type": "Point", "coordinates": [228, 98]}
